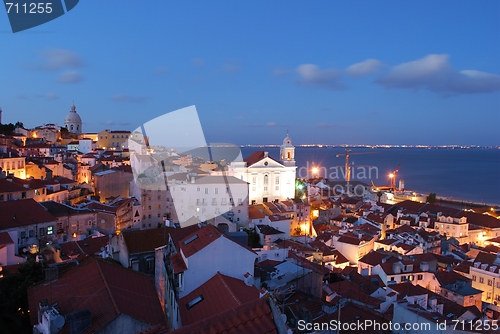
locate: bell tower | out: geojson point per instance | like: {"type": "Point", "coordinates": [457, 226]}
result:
{"type": "Point", "coordinates": [287, 152]}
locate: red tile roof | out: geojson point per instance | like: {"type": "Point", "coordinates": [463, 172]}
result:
{"type": "Point", "coordinates": [250, 318]}
{"type": "Point", "coordinates": [178, 263]}
{"type": "Point", "coordinates": [253, 213]}
{"type": "Point", "coordinates": [147, 240]}
{"type": "Point", "coordinates": [23, 212]}
{"type": "Point", "coordinates": [256, 157]}
{"type": "Point", "coordinates": [10, 186]}
{"type": "Point", "coordinates": [5, 239]}
{"type": "Point", "coordinates": [82, 249]}
{"type": "Point", "coordinates": [220, 293]}
{"type": "Point", "coordinates": [105, 289]}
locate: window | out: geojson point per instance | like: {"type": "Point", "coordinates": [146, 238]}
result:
{"type": "Point", "coordinates": [134, 264]}
{"type": "Point", "coordinates": [277, 188]}
{"type": "Point", "coordinates": [216, 190]}
{"type": "Point", "coordinates": [31, 233]}
{"type": "Point", "coordinates": [265, 188]}
{"type": "Point", "coordinates": [150, 264]}
{"type": "Point", "coordinates": [22, 234]}
{"type": "Point", "coordinates": [206, 191]}
{"type": "Point", "coordinates": [254, 179]}
{"type": "Point", "coordinates": [420, 277]}
{"type": "Point", "coordinates": [474, 278]}
{"type": "Point", "coordinates": [158, 215]}
{"type": "Point", "coordinates": [481, 280]}
{"type": "Point", "coordinates": [490, 282]}
{"type": "Point", "coordinates": [277, 179]}
{"type": "Point", "coordinates": [266, 179]}
{"type": "Point", "coordinates": [42, 231]}
{"type": "Point", "coordinates": [198, 189]}
{"type": "Point", "coordinates": [50, 230]}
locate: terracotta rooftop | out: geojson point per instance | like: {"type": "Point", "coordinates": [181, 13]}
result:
{"type": "Point", "coordinates": [218, 294]}
{"type": "Point", "coordinates": [253, 317]}
{"type": "Point", "coordinates": [82, 249]}
{"type": "Point", "coordinates": [7, 186]}
{"type": "Point", "coordinates": [147, 240]}
{"type": "Point", "coordinates": [373, 258]}
{"type": "Point", "coordinates": [178, 263]}
{"type": "Point", "coordinates": [256, 157]}
{"type": "Point", "coordinates": [5, 239]}
{"type": "Point", "coordinates": [254, 213]}
{"type": "Point", "coordinates": [105, 289]}
{"type": "Point", "coordinates": [268, 230]}
{"type": "Point", "coordinates": [23, 212]}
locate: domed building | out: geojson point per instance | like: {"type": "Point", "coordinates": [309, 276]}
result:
{"type": "Point", "coordinates": [73, 122]}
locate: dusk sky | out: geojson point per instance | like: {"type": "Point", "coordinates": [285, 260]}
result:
{"type": "Point", "coordinates": [331, 72]}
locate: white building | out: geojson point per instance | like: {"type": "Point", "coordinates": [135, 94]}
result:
{"type": "Point", "coordinates": [206, 197]}
{"type": "Point", "coordinates": [73, 122]}
{"type": "Point", "coordinates": [269, 180]}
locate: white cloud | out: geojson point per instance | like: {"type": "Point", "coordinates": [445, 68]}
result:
{"type": "Point", "coordinates": [271, 124]}
{"type": "Point", "coordinates": [434, 73]}
{"type": "Point", "coordinates": [70, 77]}
{"type": "Point", "coordinates": [311, 74]}
{"type": "Point", "coordinates": [363, 68]}
{"type": "Point", "coordinates": [57, 59]}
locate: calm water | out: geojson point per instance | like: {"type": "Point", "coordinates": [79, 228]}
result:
{"type": "Point", "coordinates": [467, 174]}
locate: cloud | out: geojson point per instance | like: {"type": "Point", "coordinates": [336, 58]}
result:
{"type": "Point", "coordinates": [311, 74]}
{"type": "Point", "coordinates": [70, 77]}
{"type": "Point", "coordinates": [130, 98]}
{"type": "Point", "coordinates": [57, 59]}
{"type": "Point", "coordinates": [22, 97]}
{"type": "Point", "coordinates": [231, 66]}
{"type": "Point", "coordinates": [280, 71]}
{"type": "Point", "coordinates": [49, 96]}
{"type": "Point", "coordinates": [198, 62]}
{"type": "Point", "coordinates": [161, 70]}
{"type": "Point", "coordinates": [434, 73]}
{"type": "Point", "coordinates": [271, 124]}
{"type": "Point", "coordinates": [364, 68]}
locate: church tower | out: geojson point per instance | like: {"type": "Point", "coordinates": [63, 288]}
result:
{"type": "Point", "coordinates": [287, 152]}
{"type": "Point", "coordinates": [73, 122]}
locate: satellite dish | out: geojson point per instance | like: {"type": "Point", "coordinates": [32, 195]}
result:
{"type": "Point", "coordinates": [59, 321]}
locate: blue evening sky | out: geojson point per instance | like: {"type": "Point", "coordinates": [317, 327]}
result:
{"type": "Point", "coordinates": [333, 72]}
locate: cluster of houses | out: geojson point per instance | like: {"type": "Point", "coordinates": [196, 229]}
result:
{"type": "Point", "coordinates": [152, 241]}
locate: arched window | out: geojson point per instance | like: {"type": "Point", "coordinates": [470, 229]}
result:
{"type": "Point", "coordinates": [289, 155]}
{"type": "Point", "coordinates": [71, 127]}
{"type": "Point", "coordinates": [266, 179]}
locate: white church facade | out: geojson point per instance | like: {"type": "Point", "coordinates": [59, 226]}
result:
{"type": "Point", "coordinates": [269, 180]}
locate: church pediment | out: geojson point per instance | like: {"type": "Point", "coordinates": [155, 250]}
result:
{"type": "Point", "coordinates": [267, 162]}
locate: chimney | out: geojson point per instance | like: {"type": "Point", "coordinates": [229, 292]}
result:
{"type": "Point", "coordinates": [43, 305]}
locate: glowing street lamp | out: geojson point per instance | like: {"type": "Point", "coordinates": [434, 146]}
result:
{"type": "Point", "coordinates": [315, 171]}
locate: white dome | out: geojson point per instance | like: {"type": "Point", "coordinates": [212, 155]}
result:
{"type": "Point", "coordinates": [72, 117]}
{"type": "Point", "coordinates": [73, 122]}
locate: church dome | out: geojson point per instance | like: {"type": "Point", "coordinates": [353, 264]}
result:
{"type": "Point", "coordinates": [73, 122]}
{"type": "Point", "coordinates": [73, 117]}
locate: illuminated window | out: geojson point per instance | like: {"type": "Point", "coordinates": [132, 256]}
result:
{"type": "Point", "coordinates": [50, 230]}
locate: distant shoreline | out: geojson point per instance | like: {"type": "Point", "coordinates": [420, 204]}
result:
{"type": "Point", "coordinates": [425, 147]}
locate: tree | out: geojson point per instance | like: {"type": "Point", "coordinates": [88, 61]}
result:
{"type": "Point", "coordinates": [379, 195]}
{"type": "Point", "coordinates": [14, 315]}
{"type": "Point", "coordinates": [431, 199]}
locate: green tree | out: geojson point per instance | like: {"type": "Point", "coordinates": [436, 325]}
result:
{"type": "Point", "coordinates": [431, 198]}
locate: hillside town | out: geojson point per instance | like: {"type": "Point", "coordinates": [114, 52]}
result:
{"type": "Point", "coordinates": [105, 233]}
